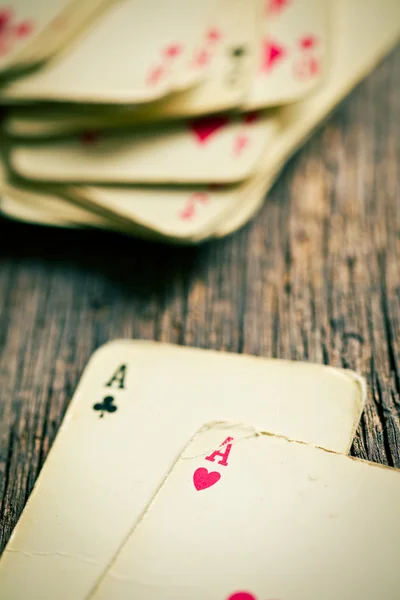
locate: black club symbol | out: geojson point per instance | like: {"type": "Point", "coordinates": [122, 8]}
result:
{"type": "Point", "coordinates": [238, 52]}
{"type": "Point", "coordinates": [105, 406]}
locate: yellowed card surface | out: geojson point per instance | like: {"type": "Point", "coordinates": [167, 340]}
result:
{"type": "Point", "coordinates": [246, 515]}
{"type": "Point", "coordinates": [137, 405]}
{"type": "Point", "coordinates": [295, 52]}
{"type": "Point", "coordinates": [212, 149]}
{"type": "Point", "coordinates": [40, 208]}
{"type": "Point", "coordinates": [26, 23]}
{"type": "Point", "coordinates": [230, 56]}
{"type": "Point", "coordinates": [136, 52]}
{"type": "Point", "coordinates": [35, 31]}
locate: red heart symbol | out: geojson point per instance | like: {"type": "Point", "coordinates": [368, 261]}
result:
{"type": "Point", "coordinates": [202, 479]}
{"type": "Point", "coordinates": [275, 6]}
{"type": "Point", "coordinates": [203, 128]}
{"type": "Point", "coordinates": [242, 596]}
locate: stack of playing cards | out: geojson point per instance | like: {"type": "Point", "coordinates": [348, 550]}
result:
{"type": "Point", "coordinates": [170, 119]}
{"type": "Point", "coordinates": [183, 474]}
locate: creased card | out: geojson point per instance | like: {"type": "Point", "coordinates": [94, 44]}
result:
{"type": "Point", "coordinates": [246, 515]}
{"type": "Point", "coordinates": [136, 406]}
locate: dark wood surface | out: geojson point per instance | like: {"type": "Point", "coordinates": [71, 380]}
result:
{"type": "Point", "coordinates": [315, 277]}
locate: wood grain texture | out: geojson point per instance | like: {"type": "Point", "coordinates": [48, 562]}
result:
{"type": "Point", "coordinates": [315, 277]}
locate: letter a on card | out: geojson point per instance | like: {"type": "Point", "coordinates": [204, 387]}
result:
{"type": "Point", "coordinates": [118, 378]}
{"type": "Point", "coordinates": [224, 455]}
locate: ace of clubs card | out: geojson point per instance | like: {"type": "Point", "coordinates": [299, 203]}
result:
{"type": "Point", "coordinates": [133, 412]}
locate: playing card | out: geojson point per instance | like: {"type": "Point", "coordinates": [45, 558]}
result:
{"type": "Point", "coordinates": [41, 206]}
{"type": "Point", "coordinates": [32, 204]}
{"type": "Point", "coordinates": [39, 120]}
{"type": "Point", "coordinates": [228, 80]}
{"type": "Point", "coordinates": [293, 54]}
{"type": "Point", "coordinates": [37, 206]}
{"type": "Point", "coordinates": [216, 149]}
{"type": "Point", "coordinates": [178, 214]}
{"type": "Point", "coordinates": [352, 58]}
{"type": "Point", "coordinates": [17, 209]}
{"type": "Point", "coordinates": [249, 205]}
{"type": "Point", "coordinates": [61, 31]}
{"type": "Point", "coordinates": [32, 30]}
{"type": "Point", "coordinates": [136, 52]}
{"type": "Point", "coordinates": [246, 515]}
{"type": "Point", "coordinates": [164, 214]}
{"type": "Point", "coordinates": [136, 406]}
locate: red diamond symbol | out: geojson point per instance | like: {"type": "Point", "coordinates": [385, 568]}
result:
{"type": "Point", "coordinates": [206, 127]}
{"type": "Point", "coordinates": [272, 54]}
{"type": "Point", "coordinates": [250, 117]}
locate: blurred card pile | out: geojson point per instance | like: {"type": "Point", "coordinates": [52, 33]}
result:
{"type": "Point", "coordinates": [170, 119]}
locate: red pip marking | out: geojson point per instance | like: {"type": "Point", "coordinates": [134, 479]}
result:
{"type": "Point", "coordinates": [11, 31]}
{"type": "Point", "coordinates": [23, 29]}
{"type": "Point", "coordinates": [90, 137]}
{"type": "Point", "coordinates": [5, 15]}
{"type": "Point", "coordinates": [188, 212]}
{"type": "Point", "coordinates": [241, 596]}
{"type": "Point", "coordinates": [201, 58]}
{"type": "Point", "coordinates": [251, 117]}
{"type": "Point", "coordinates": [203, 479]}
{"type": "Point", "coordinates": [204, 127]}
{"type": "Point", "coordinates": [308, 42]}
{"type": "Point", "coordinates": [155, 75]}
{"type": "Point", "coordinates": [240, 144]}
{"type": "Point", "coordinates": [306, 68]}
{"type": "Point", "coordinates": [173, 50]}
{"type": "Point", "coordinates": [169, 53]}
{"type": "Point", "coordinates": [272, 54]}
{"type": "Point", "coordinates": [214, 35]}
{"type": "Point", "coordinates": [274, 7]}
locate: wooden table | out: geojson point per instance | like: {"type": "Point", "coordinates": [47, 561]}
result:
{"type": "Point", "coordinates": [315, 277]}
